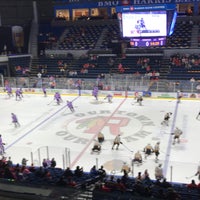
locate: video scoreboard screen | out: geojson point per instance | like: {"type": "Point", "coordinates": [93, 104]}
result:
{"type": "Point", "coordinates": [144, 24]}
{"type": "Point", "coordinates": [147, 25]}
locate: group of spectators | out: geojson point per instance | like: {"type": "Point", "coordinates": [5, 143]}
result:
{"type": "Point", "coordinates": [186, 61]}
{"type": "Point", "coordinates": [142, 68]}
{"type": "Point", "coordinates": [141, 184]}
{"type": "Point", "coordinates": [22, 71]}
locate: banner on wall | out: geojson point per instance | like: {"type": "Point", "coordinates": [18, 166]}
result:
{"type": "Point", "coordinates": [18, 36]}
{"type": "Point", "coordinates": [146, 94]}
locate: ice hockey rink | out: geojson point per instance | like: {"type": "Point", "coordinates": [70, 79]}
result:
{"type": "Point", "coordinates": [50, 131]}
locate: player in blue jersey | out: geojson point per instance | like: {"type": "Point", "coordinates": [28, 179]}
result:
{"type": "Point", "coordinates": [18, 94]}
{"type": "Point", "coordinates": [44, 91]}
{"type": "Point", "coordinates": [15, 120]}
{"type": "Point", "coordinates": [70, 106]}
{"type": "Point", "coordinates": [58, 98]}
{"type": "Point", "coordinates": [95, 92]}
{"type": "Point", "coordinates": [109, 97]}
{"type": "Point", "coordinates": [9, 91]}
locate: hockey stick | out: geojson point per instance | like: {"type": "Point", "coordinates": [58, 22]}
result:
{"type": "Point", "coordinates": [197, 117]}
{"type": "Point", "coordinates": [133, 103]}
{"type": "Point", "coordinates": [126, 147]}
{"type": "Point", "coordinates": [50, 102]}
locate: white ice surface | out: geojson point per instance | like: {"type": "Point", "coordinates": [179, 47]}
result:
{"type": "Point", "coordinates": [70, 136]}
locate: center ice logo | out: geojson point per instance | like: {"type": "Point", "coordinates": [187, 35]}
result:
{"type": "Point", "coordinates": [96, 124]}
{"type": "Point", "coordinates": [81, 127]}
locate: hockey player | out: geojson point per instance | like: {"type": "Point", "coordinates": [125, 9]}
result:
{"type": "Point", "coordinates": [157, 150]}
{"type": "Point", "coordinates": [96, 147]}
{"type": "Point", "coordinates": [177, 133]}
{"type": "Point", "coordinates": [78, 86]}
{"type": "Point", "coordinates": [179, 96]}
{"type": "Point", "coordinates": [125, 168]}
{"type": "Point", "coordinates": [15, 120]}
{"type": "Point", "coordinates": [117, 141]}
{"type": "Point", "coordinates": [44, 91]}
{"type": "Point", "coordinates": [95, 92]}
{"type": "Point", "coordinates": [100, 137]}
{"type": "Point", "coordinates": [137, 157]}
{"type": "Point", "coordinates": [166, 119]}
{"type": "Point", "coordinates": [70, 106]}
{"type": "Point", "coordinates": [18, 95]}
{"type": "Point", "coordinates": [21, 92]}
{"type": "Point", "coordinates": [148, 150]}
{"type": "Point", "coordinates": [159, 172]}
{"type": "Point", "coordinates": [57, 97]}
{"type": "Point", "coordinates": [9, 91]}
{"type": "Point", "coordinates": [136, 94]}
{"type": "Point", "coordinates": [139, 100]}
{"type": "Point", "coordinates": [109, 97]}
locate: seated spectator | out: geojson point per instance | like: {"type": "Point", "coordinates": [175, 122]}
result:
{"type": "Point", "coordinates": [102, 171]}
{"type": "Point", "coordinates": [145, 175]}
{"type": "Point", "coordinates": [24, 162]}
{"type": "Point", "coordinates": [111, 182]}
{"type": "Point", "coordinates": [165, 184]}
{"type": "Point", "coordinates": [192, 185]}
{"type": "Point", "coordinates": [9, 162]}
{"type": "Point", "coordinates": [32, 168]}
{"type": "Point", "coordinates": [172, 194]}
{"type": "Point", "coordinates": [78, 172]}
{"type": "Point", "coordinates": [71, 182]}
{"type": "Point", "coordinates": [120, 186]}
{"type": "Point", "coordinates": [53, 163]}
{"type": "Point", "coordinates": [61, 182]}
{"type": "Point", "coordinates": [40, 172]}
{"type": "Point", "coordinates": [121, 68]}
{"type": "Point", "coordinates": [68, 173]}
{"type": "Point", "coordinates": [93, 171]}
{"type": "Point", "coordinates": [44, 163]}
{"type": "Point", "coordinates": [146, 179]}
{"type": "Point", "coordinates": [138, 178]}
{"type": "Point", "coordinates": [192, 80]}
{"type": "Point", "coordinates": [8, 174]}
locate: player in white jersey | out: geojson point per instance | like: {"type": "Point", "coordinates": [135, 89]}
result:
{"type": "Point", "coordinates": [177, 133]}
{"type": "Point", "coordinates": [157, 150]}
{"type": "Point", "coordinates": [166, 119]}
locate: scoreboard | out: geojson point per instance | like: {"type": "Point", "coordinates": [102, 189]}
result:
{"type": "Point", "coordinates": [146, 25]}
{"type": "Point", "coordinates": [148, 42]}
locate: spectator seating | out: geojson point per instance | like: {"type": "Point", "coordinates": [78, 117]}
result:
{"type": "Point", "coordinates": [181, 38]}
{"type": "Point", "coordinates": [20, 65]}
{"type": "Point", "coordinates": [184, 67]}
{"type": "Point", "coordinates": [106, 186]}
{"type": "Point", "coordinates": [81, 37]}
